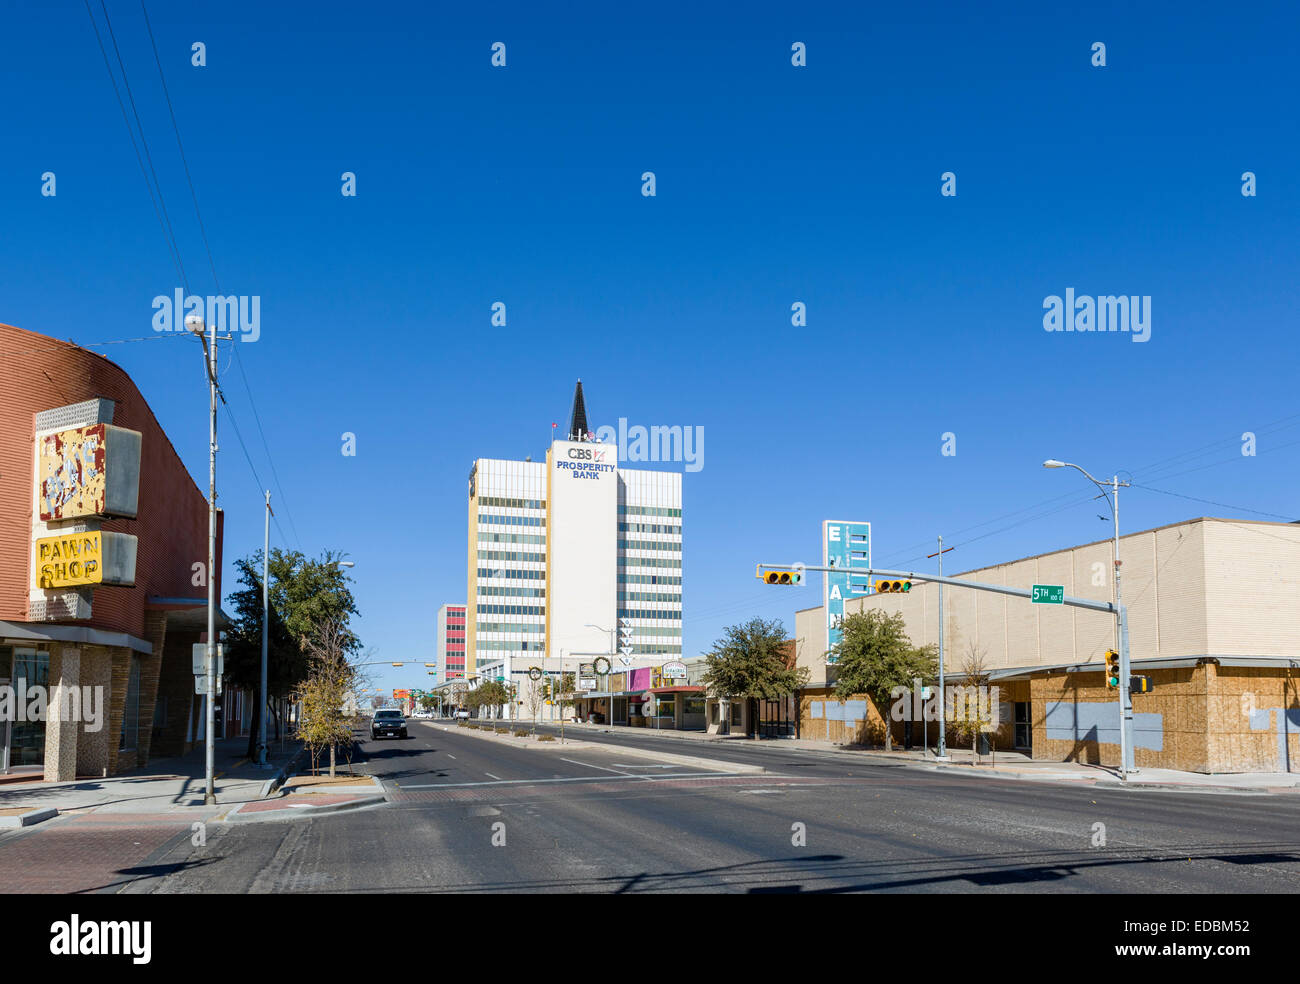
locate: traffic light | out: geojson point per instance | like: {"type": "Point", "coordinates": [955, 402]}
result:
{"type": "Point", "coordinates": [1139, 685]}
{"type": "Point", "coordinates": [893, 587]}
{"type": "Point", "coordinates": [1112, 670]}
{"type": "Point", "coordinates": [779, 577]}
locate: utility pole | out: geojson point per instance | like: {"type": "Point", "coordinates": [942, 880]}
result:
{"type": "Point", "coordinates": [195, 323]}
{"type": "Point", "coordinates": [266, 608]}
{"type": "Point", "coordinates": [943, 719]}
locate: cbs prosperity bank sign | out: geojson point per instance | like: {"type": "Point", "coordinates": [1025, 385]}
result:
{"type": "Point", "coordinates": [585, 461]}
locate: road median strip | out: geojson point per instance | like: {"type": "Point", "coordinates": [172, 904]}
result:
{"type": "Point", "coordinates": [674, 758]}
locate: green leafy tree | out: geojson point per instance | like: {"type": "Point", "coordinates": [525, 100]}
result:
{"type": "Point", "coordinates": [875, 656]}
{"type": "Point", "coordinates": [304, 594]}
{"type": "Point", "coordinates": [752, 661]}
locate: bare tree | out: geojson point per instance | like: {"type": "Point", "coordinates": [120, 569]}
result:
{"type": "Point", "coordinates": [972, 705]}
{"type": "Point", "coordinates": [331, 678]}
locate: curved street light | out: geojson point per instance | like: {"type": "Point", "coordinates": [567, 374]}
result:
{"type": "Point", "coordinates": [1110, 491]}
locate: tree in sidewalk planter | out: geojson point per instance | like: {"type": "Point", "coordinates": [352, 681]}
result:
{"type": "Point", "coordinates": [971, 701]}
{"type": "Point", "coordinates": [751, 662]}
{"type": "Point", "coordinates": [536, 694]}
{"type": "Point", "coordinates": [331, 677]}
{"type": "Point", "coordinates": [488, 695]}
{"type": "Point", "coordinates": [304, 593]}
{"type": "Point", "coordinates": [875, 656]}
{"type": "Point", "coordinates": [426, 702]}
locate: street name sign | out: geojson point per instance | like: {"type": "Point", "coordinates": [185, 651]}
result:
{"type": "Point", "coordinates": [1049, 594]}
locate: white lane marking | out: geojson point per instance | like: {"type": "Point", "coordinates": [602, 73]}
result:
{"type": "Point", "coordinates": [536, 782]}
{"type": "Point", "coordinates": [497, 778]}
{"type": "Point", "coordinates": [642, 765]}
{"type": "Point", "coordinates": [450, 756]}
{"type": "Point", "coordinates": [588, 765]}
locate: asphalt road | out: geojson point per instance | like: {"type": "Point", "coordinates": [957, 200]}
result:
{"type": "Point", "coordinates": [469, 814]}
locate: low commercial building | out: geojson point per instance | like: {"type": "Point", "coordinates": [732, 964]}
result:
{"type": "Point", "coordinates": [1212, 614]}
{"type": "Point", "coordinates": [103, 568]}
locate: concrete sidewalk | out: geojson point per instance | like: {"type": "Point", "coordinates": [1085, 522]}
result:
{"type": "Point", "coordinates": [161, 786]}
{"type": "Point", "coordinates": [1013, 765]}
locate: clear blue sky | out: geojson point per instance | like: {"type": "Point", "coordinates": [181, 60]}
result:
{"type": "Point", "coordinates": [775, 184]}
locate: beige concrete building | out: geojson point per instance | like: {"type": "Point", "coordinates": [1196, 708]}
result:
{"type": "Point", "coordinates": [1214, 622]}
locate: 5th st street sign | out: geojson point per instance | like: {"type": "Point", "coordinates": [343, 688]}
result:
{"type": "Point", "coordinates": [1048, 594]}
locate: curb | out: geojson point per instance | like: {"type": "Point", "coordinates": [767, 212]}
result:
{"type": "Point", "coordinates": [276, 780]}
{"type": "Point", "coordinates": [34, 815]}
{"type": "Point", "coordinates": [1104, 782]}
{"type": "Point", "coordinates": [306, 809]}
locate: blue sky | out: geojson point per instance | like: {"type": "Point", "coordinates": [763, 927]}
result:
{"type": "Point", "coordinates": [775, 184]}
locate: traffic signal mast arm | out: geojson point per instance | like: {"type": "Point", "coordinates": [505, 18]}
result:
{"type": "Point", "coordinates": [1118, 611]}
{"type": "Point", "coordinates": [1099, 606]}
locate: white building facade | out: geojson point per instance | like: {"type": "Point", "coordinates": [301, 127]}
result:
{"type": "Point", "coordinates": [571, 558]}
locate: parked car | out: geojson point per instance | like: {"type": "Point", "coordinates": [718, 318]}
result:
{"type": "Point", "coordinates": [462, 715]}
{"type": "Point", "coordinates": [389, 723]}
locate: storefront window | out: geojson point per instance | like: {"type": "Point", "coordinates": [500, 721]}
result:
{"type": "Point", "coordinates": [694, 705]}
{"type": "Point", "coordinates": [131, 710]}
{"type": "Point", "coordinates": [25, 668]}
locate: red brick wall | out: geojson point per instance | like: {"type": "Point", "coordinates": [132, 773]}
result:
{"type": "Point", "coordinates": [39, 373]}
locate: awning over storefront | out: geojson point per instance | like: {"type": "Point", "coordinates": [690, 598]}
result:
{"type": "Point", "coordinates": [188, 614]}
{"type": "Point", "coordinates": [676, 690]}
{"type": "Point", "coordinates": [84, 634]}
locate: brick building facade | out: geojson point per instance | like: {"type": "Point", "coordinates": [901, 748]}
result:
{"type": "Point", "coordinates": [129, 644]}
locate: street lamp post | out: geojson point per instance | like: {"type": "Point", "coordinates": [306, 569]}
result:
{"type": "Point", "coordinates": [1111, 494]}
{"type": "Point", "coordinates": [943, 716]}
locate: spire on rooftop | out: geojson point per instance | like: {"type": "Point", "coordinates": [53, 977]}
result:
{"type": "Point", "coordinates": [578, 420]}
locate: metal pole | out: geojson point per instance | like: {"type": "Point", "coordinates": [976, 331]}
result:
{"type": "Point", "coordinates": [210, 793]}
{"type": "Point", "coordinates": [266, 608]}
{"type": "Point", "coordinates": [1125, 694]}
{"type": "Point", "coordinates": [943, 722]}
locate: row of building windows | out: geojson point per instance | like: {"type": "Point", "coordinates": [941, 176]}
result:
{"type": "Point", "coordinates": [486, 518]}
{"type": "Point", "coordinates": [511, 537]}
{"type": "Point", "coordinates": [655, 649]}
{"type": "Point", "coordinates": [499, 644]}
{"type": "Point", "coordinates": [508, 591]}
{"type": "Point", "coordinates": [512, 609]}
{"type": "Point", "coordinates": [624, 578]}
{"type": "Point", "coordinates": [511, 627]}
{"type": "Point", "coordinates": [648, 511]}
{"type": "Point", "coordinates": [654, 614]}
{"type": "Point", "coordinates": [511, 555]}
{"type": "Point", "coordinates": [649, 596]}
{"type": "Point", "coordinates": [492, 500]}
{"type": "Point", "coordinates": [502, 572]}
{"type": "Point", "coordinates": [649, 528]}
{"type": "Point", "coordinates": [650, 545]}
{"type": "Point", "coordinates": [651, 561]}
